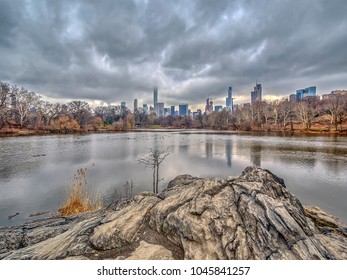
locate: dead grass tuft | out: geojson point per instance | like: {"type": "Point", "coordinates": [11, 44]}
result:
{"type": "Point", "coordinates": [78, 198]}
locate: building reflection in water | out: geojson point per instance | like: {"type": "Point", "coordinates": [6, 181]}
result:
{"type": "Point", "coordinates": [255, 154]}
{"type": "Point", "coordinates": [209, 149]}
{"type": "Point", "coordinates": [228, 151]}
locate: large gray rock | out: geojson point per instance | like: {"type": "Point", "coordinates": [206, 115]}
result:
{"type": "Point", "coordinates": [252, 216]}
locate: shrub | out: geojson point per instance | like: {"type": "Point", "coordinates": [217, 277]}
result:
{"type": "Point", "coordinates": [78, 199]}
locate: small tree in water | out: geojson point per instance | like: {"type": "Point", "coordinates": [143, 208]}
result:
{"type": "Point", "coordinates": [153, 160]}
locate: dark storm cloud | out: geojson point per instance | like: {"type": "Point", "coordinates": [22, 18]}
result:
{"type": "Point", "coordinates": [118, 50]}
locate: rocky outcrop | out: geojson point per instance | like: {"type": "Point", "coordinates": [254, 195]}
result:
{"type": "Point", "coordinates": [252, 216]}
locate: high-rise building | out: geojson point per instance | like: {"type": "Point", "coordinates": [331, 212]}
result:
{"type": "Point", "coordinates": [183, 109]}
{"type": "Point", "coordinates": [166, 112]}
{"type": "Point", "coordinates": [123, 107]}
{"type": "Point", "coordinates": [160, 109]}
{"type": "Point", "coordinates": [155, 100]}
{"type": "Point", "coordinates": [256, 95]}
{"type": "Point", "coordinates": [304, 92]}
{"type": "Point", "coordinates": [172, 110]}
{"type": "Point", "coordinates": [209, 106]}
{"type": "Point", "coordinates": [145, 108]}
{"type": "Point", "coordinates": [229, 99]}
{"type": "Point", "coordinates": [135, 105]}
{"type": "Point", "coordinates": [155, 96]}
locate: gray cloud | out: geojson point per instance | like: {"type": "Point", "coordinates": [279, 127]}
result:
{"type": "Point", "coordinates": [118, 50]}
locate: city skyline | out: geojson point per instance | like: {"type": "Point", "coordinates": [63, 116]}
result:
{"type": "Point", "coordinates": [117, 51]}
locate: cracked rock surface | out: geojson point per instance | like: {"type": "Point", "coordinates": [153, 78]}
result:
{"type": "Point", "coordinates": [252, 216]}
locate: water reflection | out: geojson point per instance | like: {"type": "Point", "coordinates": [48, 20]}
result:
{"type": "Point", "coordinates": [209, 149]}
{"type": "Point", "coordinates": [228, 151]}
{"type": "Point", "coordinates": [255, 154]}
{"type": "Point", "coordinates": [313, 167]}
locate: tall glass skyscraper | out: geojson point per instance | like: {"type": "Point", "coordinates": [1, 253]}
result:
{"type": "Point", "coordinates": [172, 110]}
{"type": "Point", "coordinates": [183, 109]}
{"type": "Point", "coordinates": [155, 100]}
{"type": "Point", "coordinates": [155, 96]}
{"type": "Point", "coordinates": [256, 95]}
{"type": "Point", "coordinates": [302, 93]}
{"type": "Point", "coordinates": [229, 99]}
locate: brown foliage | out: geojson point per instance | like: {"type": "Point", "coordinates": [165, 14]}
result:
{"type": "Point", "coordinates": [78, 199]}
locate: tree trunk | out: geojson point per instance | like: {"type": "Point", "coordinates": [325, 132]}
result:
{"type": "Point", "coordinates": [157, 181]}
{"type": "Point", "coordinates": [154, 179]}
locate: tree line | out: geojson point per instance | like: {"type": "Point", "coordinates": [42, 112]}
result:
{"type": "Point", "coordinates": [21, 108]}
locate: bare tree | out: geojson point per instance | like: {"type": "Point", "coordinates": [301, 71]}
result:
{"type": "Point", "coordinates": [5, 101]}
{"type": "Point", "coordinates": [153, 160]}
{"type": "Point", "coordinates": [80, 111]}
{"type": "Point", "coordinates": [25, 101]}
{"type": "Point", "coordinates": [286, 110]}
{"type": "Point", "coordinates": [335, 107]}
{"type": "Point", "coordinates": [50, 111]}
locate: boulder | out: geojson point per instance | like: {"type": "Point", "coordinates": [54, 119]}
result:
{"type": "Point", "coordinates": [252, 216]}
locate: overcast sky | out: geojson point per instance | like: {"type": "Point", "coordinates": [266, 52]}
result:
{"type": "Point", "coordinates": [113, 51]}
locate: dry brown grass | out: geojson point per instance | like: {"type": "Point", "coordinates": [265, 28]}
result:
{"type": "Point", "coordinates": [78, 198]}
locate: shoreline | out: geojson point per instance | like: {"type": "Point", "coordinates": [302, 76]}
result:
{"type": "Point", "coordinates": [24, 132]}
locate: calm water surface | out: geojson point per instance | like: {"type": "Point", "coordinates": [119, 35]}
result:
{"type": "Point", "coordinates": [313, 167]}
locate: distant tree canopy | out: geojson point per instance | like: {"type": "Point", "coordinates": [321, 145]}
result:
{"type": "Point", "coordinates": [21, 108]}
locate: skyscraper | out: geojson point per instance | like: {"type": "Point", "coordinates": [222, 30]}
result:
{"type": "Point", "coordinates": [123, 107]}
{"type": "Point", "coordinates": [209, 106]}
{"type": "Point", "coordinates": [155, 96]}
{"type": "Point", "coordinates": [302, 93]}
{"type": "Point", "coordinates": [135, 105]}
{"type": "Point", "coordinates": [172, 110]}
{"type": "Point", "coordinates": [256, 95]}
{"type": "Point", "coordinates": [145, 108]}
{"type": "Point", "coordinates": [160, 109]}
{"type": "Point", "coordinates": [183, 109]}
{"type": "Point", "coordinates": [229, 99]}
{"type": "Point", "coordinates": [155, 100]}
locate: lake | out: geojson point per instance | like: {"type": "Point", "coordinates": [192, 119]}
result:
{"type": "Point", "coordinates": [35, 172]}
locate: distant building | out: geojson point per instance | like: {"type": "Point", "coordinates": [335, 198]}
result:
{"type": "Point", "coordinates": [155, 96]}
{"type": "Point", "coordinates": [209, 106]}
{"type": "Point", "coordinates": [235, 107]}
{"type": "Point", "coordinates": [160, 109]}
{"type": "Point", "coordinates": [334, 93]}
{"type": "Point", "coordinates": [172, 113]}
{"type": "Point", "coordinates": [292, 97]}
{"type": "Point", "coordinates": [302, 93]}
{"type": "Point", "coordinates": [166, 112]}
{"type": "Point", "coordinates": [183, 109]}
{"type": "Point", "coordinates": [155, 100]}
{"type": "Point", "coordinates": [229, 99]}
{"type": "Point", "coordinates": [199, 112]}
{"type": "Point", "coordinates": [123, 107]}
{"type": "Point", "coordinates": [135, 105]}
{"type": "Point", "coordinates": [218, 108]}
{"type": "Point", "coordinates": [145, 108]}
{"type": "Point", "coordinates": [339, 92]}
{"type": "Point", "coordinates": [256, 94]}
